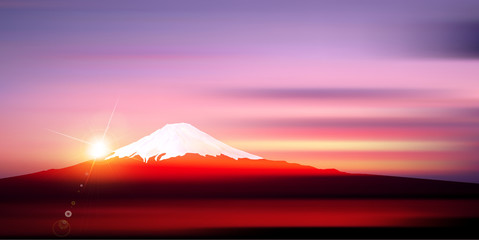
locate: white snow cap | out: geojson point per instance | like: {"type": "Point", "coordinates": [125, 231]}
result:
{"type": "Point", "coordinates": [178, 139]}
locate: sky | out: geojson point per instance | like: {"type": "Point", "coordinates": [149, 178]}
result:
{"type": "Point", "coordinates": [380, 87]}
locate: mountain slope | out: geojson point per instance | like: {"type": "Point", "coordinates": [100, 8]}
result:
{"type": "Point", "coordinates": [174, 178]}
{"type": "Point", "coordinates": [221, 197]}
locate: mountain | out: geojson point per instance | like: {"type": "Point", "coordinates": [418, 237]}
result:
{"type": "Point", "coordinates": [180, 182]}
{"type": "Point", "coordinates": [180, 150]}
{"type": "Point", "coordinates": [175, 140]}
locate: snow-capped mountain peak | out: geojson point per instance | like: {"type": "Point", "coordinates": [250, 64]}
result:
{"type": "Point", "coordinates": [176, 140]}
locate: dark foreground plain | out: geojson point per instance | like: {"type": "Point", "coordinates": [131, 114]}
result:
{"type": "Point", "coordinates": [224, 198]}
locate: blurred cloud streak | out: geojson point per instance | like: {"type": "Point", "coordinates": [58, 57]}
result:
{"type": "Point", "coordinates": [359, 145]}
{"type": "Point", "coordinates": [364, 123]}
{"type": "Point", "coordinates": [454, 39]}
{"type": "Point", "coordinates": [332, 93]}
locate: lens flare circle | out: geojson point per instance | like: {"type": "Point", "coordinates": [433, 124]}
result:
{"type": "Point", "coordinates": [61, 228]}
{"type": "Point", "coordinates": [68, 213]}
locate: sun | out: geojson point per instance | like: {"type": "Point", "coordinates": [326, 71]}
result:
{"type": "Point", "coordinates": [98, 149]}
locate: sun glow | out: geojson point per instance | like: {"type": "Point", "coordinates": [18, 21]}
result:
{"type": "Point", "coordinates": [99, 149]}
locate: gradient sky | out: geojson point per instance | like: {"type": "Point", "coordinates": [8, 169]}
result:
{"type": "Point", "coordinates": [382, 87]}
